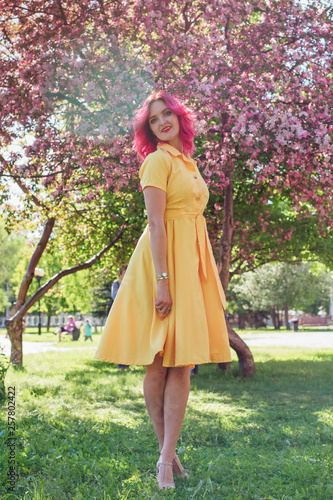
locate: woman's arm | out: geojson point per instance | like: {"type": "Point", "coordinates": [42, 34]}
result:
{"type": "Point", "coordinates": [155, 200]}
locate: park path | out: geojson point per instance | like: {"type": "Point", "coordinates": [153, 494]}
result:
{"type": "Point", "coordinates": [39, 347]}
{"type": "Point", "coordinates": [314, 340]}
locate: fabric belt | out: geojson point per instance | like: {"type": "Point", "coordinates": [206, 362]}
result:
{"type": "Point", "coordinates": [200, 228]}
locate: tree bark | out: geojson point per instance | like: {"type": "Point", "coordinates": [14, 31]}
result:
{"type": "Point", "coordinates": [241, 321]}
{"type": "Point", "coordinates": [48, 323]}
{"type": "Point", "coordinates": [245, 358]}
{"type": "Point", "coordinates": [275, 318]}
{"type": "Point", "coordinates": [15, 330]}
{"type": "Point", "coordinates": [286, 319]}
{"type": "Point", "coordinates": [14, 324]}
{"type": "Point", "coordinates": [227, 231]}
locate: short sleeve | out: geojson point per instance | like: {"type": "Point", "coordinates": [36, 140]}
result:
{"type": "Point", "coordinates": [155, 171]}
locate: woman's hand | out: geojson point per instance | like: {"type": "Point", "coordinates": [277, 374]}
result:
{"type": "Point", "coordinates": [163, 303]}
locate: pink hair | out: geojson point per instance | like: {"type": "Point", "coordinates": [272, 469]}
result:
{"type": "Point", "coordinates": [144, 140]}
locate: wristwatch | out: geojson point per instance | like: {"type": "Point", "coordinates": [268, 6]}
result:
{"type": "Point", "coordinates": [162, 276]}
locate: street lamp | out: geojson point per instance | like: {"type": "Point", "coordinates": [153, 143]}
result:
{"type": "Point", "coordinates": [39, 273]}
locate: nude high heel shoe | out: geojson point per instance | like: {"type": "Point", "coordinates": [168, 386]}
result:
{"type": "Point", "coordinates": [177, 467]}
{"type": "Point", "coordinates": [163, 482]}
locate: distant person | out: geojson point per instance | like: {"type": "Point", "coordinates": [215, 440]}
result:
{"type": "Point", "coordinates": [114, 291]}
{"type": "Point", "coordinates": [116, 284]}
{"type": "Point", "coordinates": [294, 321]}
{"type": "Point", "coordinates": [322, 313]}
{"type": "Point", "coordinates": [87, 330]}
{"type": "Point", "coordinates": [68, 329]}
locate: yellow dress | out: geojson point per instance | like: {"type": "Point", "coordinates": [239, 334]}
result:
{"type": "Point", "coordinates": [195, 331]}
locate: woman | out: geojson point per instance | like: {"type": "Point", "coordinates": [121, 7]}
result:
{"type": "Point", "coordinates": [68, 329]}
{"type": "Point", "coordinates": [170, 306]}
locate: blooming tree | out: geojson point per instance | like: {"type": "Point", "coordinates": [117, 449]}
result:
{"type": "Point", "coordinates": [257, 73]}
{"type": "Point", "coordinates": [64, 114]}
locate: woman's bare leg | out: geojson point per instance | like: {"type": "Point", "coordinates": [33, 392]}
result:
{"type": "Point", "coordinates": [153, 388]}
{"type": "Point", "coordinates": [176, 393]}
{"type": "Point", "coordinates": [166, 393]}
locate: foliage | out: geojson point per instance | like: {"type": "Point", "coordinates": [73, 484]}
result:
{"type": "Point", "coordinates": [72, 294]}
{"type": "Point", "coordinates": [4, 366]}
{"type": "Point", "coordinates": [10, 253]}
{"type": "Point", "coordinates": [300, 286]}
{"type": "Point", "coordinates": [266, 233]}
{"type": "Point", "coordinates": [83, 431]}
{"type": "Point", "coordinates": [257, 74]}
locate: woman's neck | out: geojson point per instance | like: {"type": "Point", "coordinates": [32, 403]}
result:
{"type": "Point", "coordinates": [177, 144]}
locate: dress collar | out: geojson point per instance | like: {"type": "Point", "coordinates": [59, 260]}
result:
{"type": "Point", "coordinates": [173, 151]}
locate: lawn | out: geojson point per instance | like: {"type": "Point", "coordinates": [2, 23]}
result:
{"type": "Point", "coordinates": [31, 335]}
{"type": "Point", "coordinates": [83, 432]}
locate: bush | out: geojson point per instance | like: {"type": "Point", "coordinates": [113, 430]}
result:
{"type": "Point", "coordinates": [4, 365]}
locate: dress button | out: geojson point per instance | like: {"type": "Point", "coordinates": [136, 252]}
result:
{"type": "Point", "coordinates": [197, 199]}
{"type": "Point", "coordinates": [195, 177]}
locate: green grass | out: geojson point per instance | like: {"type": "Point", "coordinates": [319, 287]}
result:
{"type": "Point", "coordinates": [31, 335]}
{"type": "Point", "coordinates": [83, 432]}
{"type": "Point", "coordinates": [66, 340]}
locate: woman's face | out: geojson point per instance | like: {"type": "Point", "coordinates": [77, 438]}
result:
{"type": "Point", "coordinates": [163, 122]}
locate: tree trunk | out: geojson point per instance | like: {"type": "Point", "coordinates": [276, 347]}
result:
{"type": "Point", "coordinates": [15, 330]}
{"type": "Point", "coordinates": [286, 319]}
{"type": "Point", "coordinates": [48, 323]}
{"type": "Point", "coordinates": [241, 322]}
{"type": "Point", "coordinates": [259, 319]}
{"type": "Point", "coordinates": [245, 358]}
{"type": "Point", "coordinates": [14, 324]}
{"type": "Point", "coordinates": [275, 318]}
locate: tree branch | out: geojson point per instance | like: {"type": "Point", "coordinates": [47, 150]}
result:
{"type": "Point", "coordinates": [187, 22]}
{"type": "Point", "coordinates": [64, 97]}
{"type": "Point", "coordinates": [62, 12]}
{"type": "Point", "coordinates": [101, 4]}
{"type": "Point", "coordinates": [34, 261]}
{"type": "Point", "coordinates": [25, 189]}
{"type": "Point", "coordinates": [71, 270]}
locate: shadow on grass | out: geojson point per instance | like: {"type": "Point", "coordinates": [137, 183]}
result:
{"type": "Point", "coordinates": [89, 436]}
{"type": "Point", "coordinates": [78, 454]}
